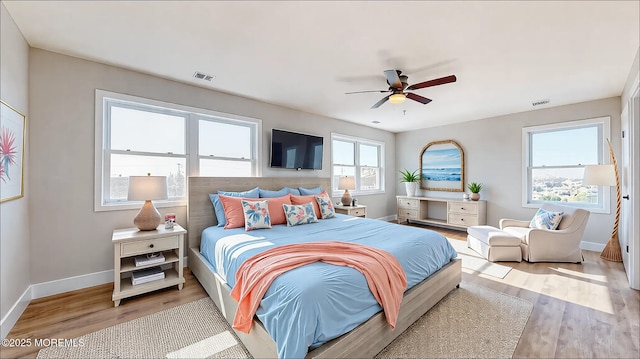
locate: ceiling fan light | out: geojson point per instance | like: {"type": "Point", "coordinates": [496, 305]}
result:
{"type": "Point", "coordinates": [397, 98]}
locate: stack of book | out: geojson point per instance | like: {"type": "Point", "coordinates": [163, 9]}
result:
{"type": "Point", "coordinates": [146, 275]}
{"type": "Point", "coordinates": [151, 258]}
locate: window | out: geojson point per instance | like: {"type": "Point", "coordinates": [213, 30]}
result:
{"type": "Point", "coordinates": [360, 158]}
{"type": "Point", "coordinates": [136, 136]}
{"type": "Point", "coordinates": [554, 160]}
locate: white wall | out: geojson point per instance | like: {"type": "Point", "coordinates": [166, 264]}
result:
{"type": "Point", "coordinates": [493, 156]}
{"type": "Point", "coordinates": [14, 215]}
{"type": "Point", "coordinates": [68, 237]}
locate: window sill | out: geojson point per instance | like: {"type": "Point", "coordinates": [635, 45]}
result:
{"type": "Point", "coordinates": [121, 206]}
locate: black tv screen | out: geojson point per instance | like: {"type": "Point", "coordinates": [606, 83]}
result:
{"type": "Point", "coordinates": [295, 150]}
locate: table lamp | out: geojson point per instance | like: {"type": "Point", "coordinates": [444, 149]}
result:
{"type": "Point", "coordinates": [607, 175]}
{"type": "Point", "coordinates": [147, 188]}
{"type": "Point", "coordinates": [346, 183]}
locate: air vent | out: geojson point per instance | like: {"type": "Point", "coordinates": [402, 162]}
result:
{"type": "Point", "coordinates": [540, 102]}
{"type": "Point", "coordinates": [203, 76]}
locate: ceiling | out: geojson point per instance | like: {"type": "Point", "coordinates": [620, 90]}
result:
{"type": "Point", "coordinates": [306, 55]}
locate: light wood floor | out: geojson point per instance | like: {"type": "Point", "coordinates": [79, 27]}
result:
{"type": "Point", "coordinates": [580, 311]}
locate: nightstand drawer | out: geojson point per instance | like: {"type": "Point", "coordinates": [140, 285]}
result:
{"type": "Point", "coordinates": [148, 245]}
{"type": "Point", "coordinates": [358, 212]}
{"type": "Point", "coordinates": [463, 219]}
{"type": "Point", "coordinates": [407, 213]}
{"type": "Point", "coordinates": [463, 207]}
{"type": "Point", "coordinates": [408, 203]}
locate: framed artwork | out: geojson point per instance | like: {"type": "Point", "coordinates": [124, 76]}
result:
{"type": "Point", "coordinates": [442, 166]}
{"type": "Point", "coordinates": [12, 130]}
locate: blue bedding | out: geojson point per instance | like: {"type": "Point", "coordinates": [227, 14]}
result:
{"type": "Point", "coordinates": [310, 305]}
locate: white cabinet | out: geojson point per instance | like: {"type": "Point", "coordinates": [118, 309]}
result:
{"type": "Point", "coordinates": [442, 211]}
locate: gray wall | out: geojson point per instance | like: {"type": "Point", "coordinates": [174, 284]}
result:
{"type": "Point", "coordinates": [14, 215]}
{"type": "Point", "coordinates": [493, 155]}
{"type": "Point", "coordinates": [68, 237]}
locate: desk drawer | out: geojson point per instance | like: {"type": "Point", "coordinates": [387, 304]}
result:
{"type": "Point", "coordinates": [148, 245]}
{"type": "Point", "coordinates": [407, 213]}
{"type": "Point", "coordinates": [408, 203]}
{"type": "Point", "coordinates": [463, 219]}
{"type": "Point", "coordinates": [463, 207]}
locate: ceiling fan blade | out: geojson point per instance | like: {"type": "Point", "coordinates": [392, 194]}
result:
{"type": "Point", "coordinates": [384, 99]}
{"type": "Point", "coordinates": [379, 91]}
{"type": "Point", "coordinates": [393, 78]}
{"type": "Point", "coordinates": [418, 98]}
{"type": "Point", "coordinates": [436, 82]}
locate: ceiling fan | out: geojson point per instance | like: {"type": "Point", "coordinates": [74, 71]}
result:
{"type": "Point", "coordinates": [398, 84]}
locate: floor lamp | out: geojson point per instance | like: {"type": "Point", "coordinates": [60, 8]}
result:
{"type": "Point", "coordinates": [607, 175]}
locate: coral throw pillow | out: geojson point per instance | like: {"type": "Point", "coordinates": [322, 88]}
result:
{"type": "Point", "coordinates": [234, 214]}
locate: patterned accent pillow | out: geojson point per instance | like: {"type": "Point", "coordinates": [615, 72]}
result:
{"type": "Point", "coordinates": [299, 214]}
{"type": "Point", "coordinates": [546, 220]}
{"type": "Point", "coordinates": [326, 207]}
{"type": "Point", "coordinates": [256, 215]}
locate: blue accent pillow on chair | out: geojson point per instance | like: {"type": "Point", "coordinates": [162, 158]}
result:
{"type": "Point", "coordinates": [544, 219]}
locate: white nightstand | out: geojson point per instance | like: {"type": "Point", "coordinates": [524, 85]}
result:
{"type": "Point", "coordinates": [356, 211]}
{"type": "Point", "coordinates": [130, 242]}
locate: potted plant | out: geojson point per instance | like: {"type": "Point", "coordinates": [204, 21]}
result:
{"type": "Point", "coordinates": [410, 180]}
{"type": "Point", "coordinates": [475, 188]}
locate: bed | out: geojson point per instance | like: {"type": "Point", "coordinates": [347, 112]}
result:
{"type": "Point", "coordinates": [354, 343]}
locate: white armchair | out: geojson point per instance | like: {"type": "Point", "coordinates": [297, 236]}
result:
{"type": "Point", "coordinates": [559, 245]}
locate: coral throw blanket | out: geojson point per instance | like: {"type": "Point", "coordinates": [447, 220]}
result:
{"type": "Point", "coordinates": [385, 277]}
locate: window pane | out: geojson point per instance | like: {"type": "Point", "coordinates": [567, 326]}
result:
{"type": "Point", "coordinates": [343, 153]}
{"type": "Point", "coordinates": [221, 168]}
{"type": "Point", "coordinates": [565, 147]}
{"type": "Point", "coordinates": [341, 171]}
{"type": "Point", "coordinates": [369, 178]}
{"type": "Point", "coordinates": [562, 185]}
{"type": "Point", "coordinates": [144, 131]}
{"type": "Point", "coordinates": [123, 166]}
{"type": "Point", "coordinates": [224, 140]}
{"type": "Point", "coordinates": [368, 155]}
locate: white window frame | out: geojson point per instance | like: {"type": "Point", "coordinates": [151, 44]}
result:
{"type": "Point", "coordinates": [604, 132]}
{"type": "Point", "coordinates": [192, 117]}
{"type": "Point", "coordinates": [358, 141]}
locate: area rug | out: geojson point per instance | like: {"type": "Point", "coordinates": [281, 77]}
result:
{"type": "Point", "coordinates": [475, 262]}
{"type": "Point", "coordinates": [470, 322]}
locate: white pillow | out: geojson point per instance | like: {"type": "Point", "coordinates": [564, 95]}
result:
{"type": "Point", "coordinates": [546, 219]}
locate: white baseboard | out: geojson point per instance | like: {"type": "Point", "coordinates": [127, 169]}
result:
{"type": "Point", "coordinates": [592, 246]}
{"type": "Point", "coordinates": [53, 287]}
{"type": "Point", "coordinates": [14, 313]}
{"type": "Point", "coordinates": [58, 286]}
{"type": "Point", "coordinates": [389, 218]}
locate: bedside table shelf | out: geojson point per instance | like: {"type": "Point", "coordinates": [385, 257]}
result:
{"type": "Point", "coordinates": [128, 264]}
{"type": "Point", "coordinates": [130, 242]}
{"type": "Point", "coordinates": [127, 289]}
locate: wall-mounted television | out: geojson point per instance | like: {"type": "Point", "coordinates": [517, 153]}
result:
{"type": "Point", "coordinates": [295, 150]}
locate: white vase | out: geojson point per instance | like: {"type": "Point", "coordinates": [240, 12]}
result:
{"type": "Point", "coordinates": [411, 188]}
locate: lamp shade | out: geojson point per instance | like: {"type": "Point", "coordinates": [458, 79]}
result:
{"type": "Point", "coordinates": [143, 188]}
{"type": "Point", "coordinates": [347, 183]}
{"type": "Point", "coordinates": [599, 175]}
